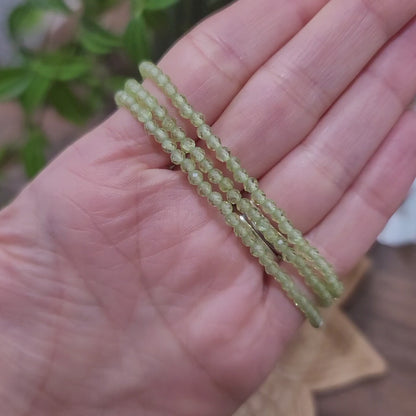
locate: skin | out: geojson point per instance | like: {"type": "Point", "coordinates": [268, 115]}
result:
{"type": "Point", "coordinates": [122, 291]}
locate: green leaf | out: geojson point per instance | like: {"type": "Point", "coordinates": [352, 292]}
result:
{"type": "Point", "coordinates": [35, 93]}
{"type": "Point", "coordinates": [13, 81]}
{"type": "Point", "coordinates": [68, 105]}
{"type": "Point", "coordinates": [27, 15]}
{"type": "Point", "coordinates": [57, 5]}
{"type": "Point", "coordinates": [23, 18]}
{"type": "Point", "coordinates": [60, 66]}
{"type": "Point", "coordinates": [33, 153]}
{"type": "Point", "coordinates": [135, 40]}
{"type": "Point", "coordinates": [96, 39]}
{"type": "Point", "coordinates": [159, 4]}
{"type": "Point", "coordinates": [137, 7]}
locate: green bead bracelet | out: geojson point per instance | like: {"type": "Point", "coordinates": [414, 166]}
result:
{"type": "Point", "coordinates": [255, 219]}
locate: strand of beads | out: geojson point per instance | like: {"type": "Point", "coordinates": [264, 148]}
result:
{"type": "Point", "coordinates": [233, 195]}
{"type": "Point", "coordinates": [294, 236]}
{"type": "Point", "coordinates": [257, 247]}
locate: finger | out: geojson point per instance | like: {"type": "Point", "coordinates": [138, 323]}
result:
{"type": "Point", "coordinates": [285, 98]}
{"type": "Point", "coordinates": [213, 61]}
{"type": "Point", "coordinates": [313, 177]}
{"type": "Point", "coordinates": [352, 226]}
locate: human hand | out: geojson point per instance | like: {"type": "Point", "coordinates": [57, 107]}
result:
{"type": "Point", "coordinates": [124, 293]}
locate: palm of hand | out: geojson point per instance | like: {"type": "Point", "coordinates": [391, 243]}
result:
{"type": "Point", "coordinates": [152, 303]}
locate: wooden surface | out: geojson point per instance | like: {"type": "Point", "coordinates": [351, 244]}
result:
{"type": "Point", "coordinates": [384, 308]}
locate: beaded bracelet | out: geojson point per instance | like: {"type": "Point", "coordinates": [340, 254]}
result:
{"type": "Point", "coordinates": [249, 218]}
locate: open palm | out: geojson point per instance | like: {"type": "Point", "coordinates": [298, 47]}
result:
{"type": "Point", "coordinates": [127, 294]}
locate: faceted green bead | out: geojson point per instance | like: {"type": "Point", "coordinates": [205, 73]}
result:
{"type": "Point", "coordinates": [226, 208]}
{"type": "Point", "coordinates": [188, 165]}
{"type": "Point", "coordinates": [187, 145]}
{"type": "Point", "coordinates": [244, 205]}
{"type": "Point", "coordinates": [215, 199]}
{"type": "Point", "coordinates": [198, 154]}
{"type": "Point", "coordinates": [248, 240]}
{"type": "Point", "coordinates": [179, 100]}
{"type": "Point", "coordinates": [251, 184]}
{"type": "Point", "coordinates": [160, 112]}
{"type": "Point", "coordinates": [262, 225]}
{"type": "Point", "coordinates": [150, 126]}
{"type": "Point", "coordinates": [160, 135]}
{"type": "Point", "coordinates": [131, 86]}
{"type": "Point", "coordinates": [258, 196]}
{"type": "Point", "coordinates": [222, 153]}
{"type": "Point", "coordinates": [195, 177]}
{"type": "Point", "coordinates": [162, 79]}
{"type": "Point", "coordinates": [168, 123]}
{"type": "Point", "coordinates": [215, 176]}
{"type": "Point", "coordinates": [240, 175]}
{"type": "Point", "coordinates": [254, 214]}
{"type": "Point", "coordinates": [119, 98]}
{"type": "Point", "coordinates": [233, 196]}
{"type": "Point", "coordinates": [233, 163]}
{"type": "Point", "coordinates": [178, 133]}
{"type": "Point", "coordinates": [144, 115]}
{"type": "Point", "coordinates": [226, 184]}
{"type": "Point", "coordinates": [169, 147]}
{"type": "Point", "coordinates": [204, 188]}
{"type": "Point", "coordinates": [212, 142]}
{"type": "Point", "coordinates": [232, 219]}
{"type": "Point", "coordinates": [257, 249]}
{"type": "Point", "coordinates": [197, 119]}
{"type": "Point", "coordinates": [269, 206]}
{"type": "Point", "coordinates": [186, 111]}
{"type": "Point", "coordinates": [206, 165]}
{"type": "Point", "coordinates": [151, 102]}
{"type": "Point", "coordinates": [285, 227]}
{"type": "Point", "coordinates": [170, 90]}
{"type": "Point", "coordinates": [204, 131]}
{"type": "Point", "coordinates": [177, 157]}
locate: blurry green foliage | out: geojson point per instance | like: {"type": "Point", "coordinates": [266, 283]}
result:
{"type": "Point", "coordinates": [78, 78]}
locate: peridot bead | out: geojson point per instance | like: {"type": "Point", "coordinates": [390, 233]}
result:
{"type": "Point", "coordinates": [215, 199]}
{"type": "Point", "coordinates": [197, 119]}
{"type": "Point", "coordinates": [177, 156]}
{"type": "Point", "coordinates": [187, 144]}
{"type": "Point", "coordinates": [168, 123]}
{"type": "Point", "coordinates": [160, 112]}
{"type": "Point", "coordinates": [178, 133]}
{"type": "Point", "coordinates": [226, 184]}
{"type": "Point", "coordinates": [168, 146]}
{"type": "Point", "coordinates": [170, 90]}
{"type": "Point", "coordinates": [198, 154]}
{"type": "Point", "coordinates": [251, 184]}
{"type": "Point", "coordinates": [205, 165]}
{"type": "Point", "coordinates": [222, 153]}
{"type": "Point", "coordinates": [188, 165]}
{"type": "Point", "coordinates": [150, 126]}
{"type": "Point", "coordinates": [212, 142]}
{"type": "Point", "coordinates": [186, 111]}
{"type": "Point", "coordinates": [215, 176]}
{"type": "Point", "coordinates": [226, 208]}
{"type": "Point", "coordinates": [233, 163]}
{"type": "Point", "coordinates": [203, 131]}
{"type": "Point", "coordinates": [195, 177]}
{"type": "Point", "coordinates": [232, 219]}
{"type": "Point", "coordinates": [258, 196]}
{"type": "Point", "coordinates": [178, 100]}
{"type": "Point", "coordinates": [233, 196]}
{"type": "Point", "coordinates": [240, 175]}
{"type": "Point", "coordinates": [244, 205]}
{"type": "Point", "coordinates": [204, 188]}
{"type": "Point", "coordinates": [160, 135]}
